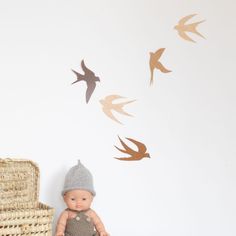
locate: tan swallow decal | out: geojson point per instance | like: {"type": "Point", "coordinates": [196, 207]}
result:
{"type": "Point", "coordinates": [90, 79]}
{"type": "Point", "coordinates": [182, 28]}
{"type": "Point", "coordinates": [134, 155]}
{"type": "Point", "coordinates": [154, 63]}
{"type": "Point", "coordinates": [108, 106]}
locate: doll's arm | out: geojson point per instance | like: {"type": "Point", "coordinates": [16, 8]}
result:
{"type": "Point", "coordinates": [98, 223]}
{"type": "Point", "coordinates": [61, 223]}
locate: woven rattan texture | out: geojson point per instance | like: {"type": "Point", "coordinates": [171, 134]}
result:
{"type": "Point", "coordinates": [18, 184]}
{"type": "Point", "coordinates": [21, 214]}
{"type": "Point", "coordinates": [33, 222]}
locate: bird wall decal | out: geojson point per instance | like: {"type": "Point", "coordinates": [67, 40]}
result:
{"type": "Point", "coordinates": [134, 155]}
{"type": "Point", "coordinates": [108, 106]}
{"type": "Point", "coordinates": [154, 63]}
{"type": "Point", "coordinates": [182, 28]}
{"type": "Point", "coordinates": [90, 79]}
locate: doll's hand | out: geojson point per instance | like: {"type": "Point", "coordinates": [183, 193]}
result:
{"type": "Point", "coordinates": [103, 233]}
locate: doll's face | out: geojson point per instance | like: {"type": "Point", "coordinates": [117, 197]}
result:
{"type": "Point", "coordinates": [78, 199]}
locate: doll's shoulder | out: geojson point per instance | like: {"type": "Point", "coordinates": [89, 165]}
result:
{"type": "Point", "coordinates": [91, 213]}
{"type": "Point", "coordinates": [65, 213]}
{"type": "Point", "coordinates": [69, 213]}
{"type": "Point", "coordinates": [63, 216]}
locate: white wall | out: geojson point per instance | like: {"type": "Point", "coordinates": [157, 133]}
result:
{"type": "Point", "coordinates": [186, 119]}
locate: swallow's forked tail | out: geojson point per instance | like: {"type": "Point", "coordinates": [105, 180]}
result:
{"type": "Point", "coordinates": [79, 77]}
{"type": "Point", "coordinates": [193, 28]}
{"type": "Point", "coordinates": [151, 79]}
{"type": "Point", "coordinates": [119, 107]}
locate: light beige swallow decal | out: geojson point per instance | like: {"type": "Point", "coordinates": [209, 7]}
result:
{"type": "Point", "coordinates": [108, 106]}
{"type": "Point", "coordinates": [182, 28]}
{"type": "Point", "coordinates": [134, 155]}
{"type": "Point", "coordinates": [154, 63]}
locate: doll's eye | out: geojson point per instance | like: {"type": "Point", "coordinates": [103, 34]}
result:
{"type": "Point", "coordinates": [72, 199]}
{"type": "Point", "coordinates": [84, 199]}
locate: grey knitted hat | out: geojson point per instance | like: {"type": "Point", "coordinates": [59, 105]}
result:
{"type": "Point", "coordinates": [78, 177]}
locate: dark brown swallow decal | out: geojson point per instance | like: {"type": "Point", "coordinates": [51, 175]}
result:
{"type": "Point", "coordinates": [90, 79]}
{"type": "Point", "coordinates": [154, 63]}
{"type": "Point", "coordinates": [134, 155]}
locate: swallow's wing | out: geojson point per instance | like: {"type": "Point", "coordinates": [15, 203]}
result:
{"type": "Point", "coordinates": [86, 70]}
{"type": "Point", "coordinates": [186, 18]}
{"type": "Point", "coordinates": [158, 53]}
{"type": "Point", "coordinates": [108, 112]}
{"type": "Point", "coordinates": [183, 35]}
{"type": "Point", "coordinates": [90, 88]}
{"type": "Point", "coordinates": [162, 68]}
{"type": "Point", "coordinates": [141, 147]}
{"type": "Point", "coordinates": [126, 158]}
{"type": "Point", "coordinates": [111, 98]}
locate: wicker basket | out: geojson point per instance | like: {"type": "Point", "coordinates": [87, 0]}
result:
{"type": "Point", "coordinates": [21, 214]}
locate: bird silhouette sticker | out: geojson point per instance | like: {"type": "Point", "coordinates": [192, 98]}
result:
{"type": "Point", "coordinates": [182, 28]}
{"type": "Point", "coordinates": [154, 63]}
{"type": "Point", "coordinates": [108, 106]}
{"type": "Point", "coordinates": [90, 79]}
{"type": "Point", "coordinates": [134, 155]}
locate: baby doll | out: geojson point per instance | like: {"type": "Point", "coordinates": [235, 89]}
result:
{"type": "Point", "coordinates": [79, 219]}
